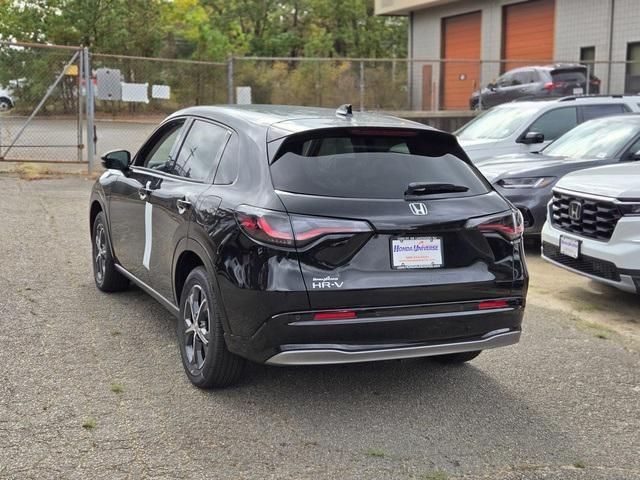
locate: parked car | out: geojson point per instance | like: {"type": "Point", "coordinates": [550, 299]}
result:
{"type": "Point", "coordinates": [296, 236]}
{"type": "Point", "coordinates": [527, 180]}
{"type": "Point", "coordinates": [6, 99]}
{"type": "Point", "coordinates": [594, 225]}
{"type": "Point", "coordinates": [547, 81]}
{"type": "Point", "coordinates": [522, 127]}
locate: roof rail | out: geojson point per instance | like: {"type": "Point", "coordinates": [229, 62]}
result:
{"type": "Point", "coordinates": [577, 97]}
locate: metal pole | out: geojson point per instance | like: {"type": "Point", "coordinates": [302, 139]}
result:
{"type": "Point", "coordinates": [90, 110]}
{"type": "Point", "coordinates": [230, 80]}
{"type": "Point", "coordinates": [362, 86]}
{"type": "Point", "coordinates": [80, 105]}
{"type": "Point", "coordinates": [611, 22]}
{"type": "Point", "coordinates": [480, 87]}
{"type": "Point", "coordinates": [588, 79]}
{"type": "Point", "coordinates": [44, 99]}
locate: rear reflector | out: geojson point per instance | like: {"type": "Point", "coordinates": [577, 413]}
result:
{"type": "Point", "coordinates": [493, 304]}
{"type": "Point", "coordinates": [334, 315]}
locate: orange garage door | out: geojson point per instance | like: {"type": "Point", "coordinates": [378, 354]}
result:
{"type": "Point", "coordinates": [528, 31]}
{"type": "Point", "coordinates": [460, 40]}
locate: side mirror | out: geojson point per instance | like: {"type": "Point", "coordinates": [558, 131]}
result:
{"type": "Point", "coordinates": [532, 137]}
{"type": "Point", "coordinates": [492, 86]}
{"type": "Point", "coordinates": [634, 156]}
{"type": "Point", "coordinates": [116, 160]}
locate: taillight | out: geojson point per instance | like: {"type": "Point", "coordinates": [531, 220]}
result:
{"type": "Point", "coordinates": [287, 230]}
{"type": "Point", "coordinates": [549, 86]}
{"type": "Point", "coordinates": [510, 226]}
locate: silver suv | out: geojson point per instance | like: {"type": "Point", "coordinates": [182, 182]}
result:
{"type": "Point", "coordinates": [528, 126]}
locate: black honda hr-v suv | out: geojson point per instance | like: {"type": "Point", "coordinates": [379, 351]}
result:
{"type": "Point", "coordinates": [299, 236]}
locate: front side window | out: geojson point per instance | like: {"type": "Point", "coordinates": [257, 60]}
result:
{"type": "Point", "coordinates": [155, 154]}
{"type": "Point", "coordinates": [555, 123]}
{"type": "Point", "coordinates": [506, 80]}
{"type": "Point", "coordinates": [200, 152]}
{"type": "Point", "coordinates": [597, 139]}
{"type": "Point", "coordinates": [371, 163]}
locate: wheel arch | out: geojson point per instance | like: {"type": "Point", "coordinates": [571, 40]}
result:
{"type": "Point", "coordinates": [190, 254]}
{"type": "Point", "coordinates": [96, 208]}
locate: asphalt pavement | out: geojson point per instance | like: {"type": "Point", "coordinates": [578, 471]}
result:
{"type": "Point", "coordinates": [93, 387]}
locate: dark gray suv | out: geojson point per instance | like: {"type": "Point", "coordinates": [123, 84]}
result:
{"type": "Point", "coordinates": [536, 82]}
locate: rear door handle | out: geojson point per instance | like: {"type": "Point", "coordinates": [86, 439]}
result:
{"type": "Point", "coordinates": [183, 205]}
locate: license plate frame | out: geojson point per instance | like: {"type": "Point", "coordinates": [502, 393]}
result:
{"type": "Point", "coordinates": [413, 259]}
{"type": "Point", "coordinates": [570, 247]}
{"type": "Point", "coordinates": [578, 91]}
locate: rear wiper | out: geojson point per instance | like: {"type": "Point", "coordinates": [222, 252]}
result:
{"type": "Point", "coordinates": [417, 189]}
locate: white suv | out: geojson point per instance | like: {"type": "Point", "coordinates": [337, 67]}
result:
{"type": "Point", "coordinates": [593, 225]}
{"type": "Point", "coordinates": [528, 126]}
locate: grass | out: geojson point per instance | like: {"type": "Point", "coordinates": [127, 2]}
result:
{"type": "Point", "coordinates": [90, 423]}
{"type": "Point", "coordinates": [375, 453]}
{"type": "Point", "coordinates": [435, 475]}
{"type": "Point", "coordinates": [579, 464]}
{"type": "Point", "coordinates": [116, 387]}
{"type": "Point", "coordinates": [30, 171]}
{"type": "Point", "coordinates": [599, 330]}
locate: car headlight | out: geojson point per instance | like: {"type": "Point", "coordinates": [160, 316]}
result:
{"type": "Point", "coordinates": [630, 208]}
{"type": "Point", "coordinates": [526, 182]}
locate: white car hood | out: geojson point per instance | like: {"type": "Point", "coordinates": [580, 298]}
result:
{"type": "Point", "coordinates": [617, 181]}
{"type": "Point", "coordinates": [476, 143]}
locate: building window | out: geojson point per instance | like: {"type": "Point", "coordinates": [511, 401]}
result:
{"type": "Point", "coordinates": [632, 78]}
{"type": "Point", "coordinates": [588, 56]}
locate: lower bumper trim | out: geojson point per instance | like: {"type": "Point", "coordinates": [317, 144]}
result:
{"type": "Point", "coordinates": [327, 356]}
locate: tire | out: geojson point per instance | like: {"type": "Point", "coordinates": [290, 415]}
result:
{"type": "Point", "coordinates": [205, 357]}
{"type": "Point", "coordinates": [5, 105]}
{"type": "Point", "coordinates": [456, 358]}
{"type": "Point", "coordinates": [107, 278]}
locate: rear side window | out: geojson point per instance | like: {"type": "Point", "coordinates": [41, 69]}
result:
{"type": "Point", "coordinates": [356, 163]}
{"type": "Point", "coordinates": [555, 123]}
{"type": "Point", "coordinates": [200, 152]}
{"type": "Point", "coordinates": [595, 111]}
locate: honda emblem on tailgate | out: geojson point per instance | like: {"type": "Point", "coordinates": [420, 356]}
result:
{"type": "Point", "coordinates": [575, 210]}
{"type": "Point", "coordinates": [418, 208]}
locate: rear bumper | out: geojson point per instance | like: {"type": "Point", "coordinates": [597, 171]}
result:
{"type": "Point", "coordinates": [303, 355]}
{"type": "Point", "coordinates": [382, 333]}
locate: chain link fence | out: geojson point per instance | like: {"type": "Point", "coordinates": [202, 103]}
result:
{"type": "Point", "coordinates": [41, 103]}
{"type": "Point", "coordinates": [54, 109]}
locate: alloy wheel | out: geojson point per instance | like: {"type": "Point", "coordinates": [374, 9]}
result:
{"type": "Point", "coordinates": [197, 327]}
{"type": "Point", "coordinates": [100, 252]}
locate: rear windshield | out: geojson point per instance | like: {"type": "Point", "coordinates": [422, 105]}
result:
{"type": "Point", "coordinates": [371, 164]}
{"type": "Point", "coordinates": [579, 76]}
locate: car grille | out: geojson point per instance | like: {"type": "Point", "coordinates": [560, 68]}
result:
{"type": "Point", "coordinates": [585, 264]}
{"type": "Point", "coordinates": [598, 220]}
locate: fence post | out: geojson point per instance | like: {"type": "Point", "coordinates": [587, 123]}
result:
{"type": "Point", "coordinates": [90, 109]}
{"type": "Point", "coordinates": [80, 105]}
{"type": "Point", "coordinates": [361, 86]}
{"type": "Point", "coordinates": [230, 80]}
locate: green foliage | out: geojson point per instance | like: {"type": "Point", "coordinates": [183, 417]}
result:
{"type": "Point", "coordinates": [208, 29]}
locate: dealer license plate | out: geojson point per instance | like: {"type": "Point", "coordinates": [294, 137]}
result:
{"type": "Point", "coordinates": [416, 252]}
{"type": "Point", "coordinates": [570, 247]}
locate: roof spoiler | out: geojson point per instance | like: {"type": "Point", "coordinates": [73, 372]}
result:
{"type": "Point", "coordinates": [345, 110]}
